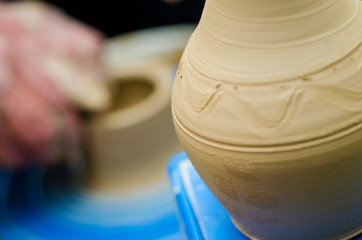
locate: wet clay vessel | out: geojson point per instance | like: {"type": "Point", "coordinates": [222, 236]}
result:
{"type": "Point", "coordinates": [267, 103]}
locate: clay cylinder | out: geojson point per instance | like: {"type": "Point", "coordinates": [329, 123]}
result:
{"type": "Point", "coordinates": [131, 143]}
{"type": "Point", "coordinates": [267, 103]}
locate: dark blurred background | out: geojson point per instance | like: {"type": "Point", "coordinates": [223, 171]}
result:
{"type": "Point", "coordinates": [117, 17]}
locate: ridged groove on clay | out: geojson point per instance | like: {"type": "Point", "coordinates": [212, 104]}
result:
{"type": "Point", "coordinates": [277, 22]}
{"type": "Point", "coordinates": [332, 66]}
{"type": "Point", "coordinates": [269, 148]}
{"type": "Point", "coordinates": [321, 46]}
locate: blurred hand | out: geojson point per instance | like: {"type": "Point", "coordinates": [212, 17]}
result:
{"type": "Point", "coordinates": [48, 64]}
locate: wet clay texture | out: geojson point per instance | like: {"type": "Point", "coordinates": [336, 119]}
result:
{"type": "Point", "coordinates": [267, 102]}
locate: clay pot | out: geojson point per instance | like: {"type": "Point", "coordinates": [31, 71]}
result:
{"type": "Point", "coordinates": [267, 103]}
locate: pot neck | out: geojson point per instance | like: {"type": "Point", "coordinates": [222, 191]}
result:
{"type": "Point", "coordinates": [265, 22]}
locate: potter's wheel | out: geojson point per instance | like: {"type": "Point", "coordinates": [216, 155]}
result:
{"type": "Point", "coordinates": [39, 204]}
{"type": "Point", "coordinates": [59, 204]}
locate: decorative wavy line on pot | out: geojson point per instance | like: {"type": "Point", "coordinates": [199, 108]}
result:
{"type": "Point", "coordinates": [351, 101]}
{"type": "Point", "coordinates": [253, 119]}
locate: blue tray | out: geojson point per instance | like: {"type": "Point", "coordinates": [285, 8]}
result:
{"type": "Point", "coordinates": [203, 217]}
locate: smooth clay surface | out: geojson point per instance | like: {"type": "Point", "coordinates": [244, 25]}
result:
{"type": "Point", "coordinates": [267, 102]}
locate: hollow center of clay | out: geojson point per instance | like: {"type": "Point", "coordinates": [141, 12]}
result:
{"type": "Point", "coordinates": [128, 92]}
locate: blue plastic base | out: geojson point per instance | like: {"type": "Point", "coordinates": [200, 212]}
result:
{"type": "Point", "coordinates": [202, 215]}
{"type": "Point", "coordinates": [44, 205]}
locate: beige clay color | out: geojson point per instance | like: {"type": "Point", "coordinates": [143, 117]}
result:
{"type": "Point", "coordinates": [267, 103]}
{"type": "Point", "coordinates": [130, 143]}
